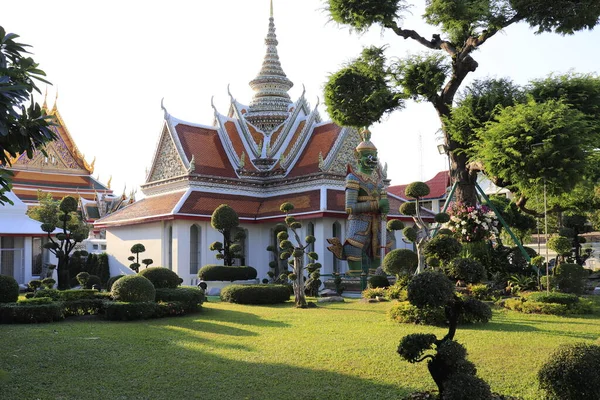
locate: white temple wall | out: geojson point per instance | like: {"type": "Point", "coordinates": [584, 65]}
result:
{"type": "Point", "coordinates": [120, 239]}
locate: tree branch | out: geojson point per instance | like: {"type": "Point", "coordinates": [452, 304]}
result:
{"type": "Point", "coordinates": [436, 43]}
{"type": "Point", "coordinates": [425, 357]}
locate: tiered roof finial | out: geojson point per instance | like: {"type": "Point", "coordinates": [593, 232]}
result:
{"type": "Point", "coordinates": [269, 106]}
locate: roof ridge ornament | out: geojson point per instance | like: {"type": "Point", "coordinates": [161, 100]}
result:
{"type": "Point", "coordinates": [162, 106]}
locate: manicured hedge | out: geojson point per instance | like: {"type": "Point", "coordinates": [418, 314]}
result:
{"type": "Point", "coordinates": [54, 294]}
{"type": "Point", "coordinates": [9, 289]}
{"type": "Point", "coordinates": [78, 294]}
{"type": "Point", "coordinates": [13, 313]}
{"type": "Point", "coordinates": [226, 273]}
{"type": "Point", "coordinates": [83, 307]}
{"type": "Point", "coordinates": [191, 298]}
{"type": "Point", "coordinates": [255, 294]}
{"type": "Point", "coordinates": [133, 288]}
{"type": "Point", "coordinates": [161, 277]}
{"type": "Point", "coordinates": [120, 311]}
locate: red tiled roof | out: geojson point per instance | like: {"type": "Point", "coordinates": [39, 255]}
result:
{"type": "Point", "coordinates": [201, 203]}
{"type": "Point", "coordinates": [209, 154]}
{"type": "Point", "coordinates": [437, 185]}
{"type": "Point", "coordinates": [275, 135]}
{"type": "Point", "coordinates": [321, 141]}
{"type": "Point", "coordinates": [145, 208]}
{"type": "Point", "coordinates": [257, 136]}
{"type": "Point", "coordinates": [291, 143]}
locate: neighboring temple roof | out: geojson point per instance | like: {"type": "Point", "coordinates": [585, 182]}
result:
{"type": "Point", "coordinates": [438, 186]}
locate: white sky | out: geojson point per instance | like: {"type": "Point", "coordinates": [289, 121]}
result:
{"type": "Point", "coordinates": [112, 62]}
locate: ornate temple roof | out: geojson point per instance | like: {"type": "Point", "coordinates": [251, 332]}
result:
{"type": "Point", "coordinates": [438, 187]}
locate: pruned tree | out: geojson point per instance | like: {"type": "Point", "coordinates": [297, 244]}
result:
{"type": "Point", "coordinates": [23, 129]}
{"type": "Point", "coordinates": [72, 230]}
{"type": "Point", "coordinates": [369, 87]}
{"type": "Point", "coordinates": [224, 219]}
{"type": "Point", "coordinates": [276, 269]}
{"type": "Point", "coordinates": [137, 249]}
{"type": "Point", "coordinates": [296, 253]}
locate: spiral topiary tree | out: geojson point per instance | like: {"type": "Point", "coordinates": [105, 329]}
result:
{"type": "Point", "coordinates": [296, 252]}
{"type": "Point", "coordinates": [224, 219]}
{"type": "Point", "coordinates": [72, 231]}
{"type": "Point", "coordinates": [421, 233]}
{"type": "Point", "coordinates": [275, 266]}
{"type": "Point", "coordinates": [453, 374]}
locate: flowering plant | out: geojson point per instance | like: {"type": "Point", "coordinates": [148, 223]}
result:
{"type": "Point", "coordinates": [472, 223]}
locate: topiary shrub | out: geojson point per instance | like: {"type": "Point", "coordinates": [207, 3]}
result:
{"type": "Point", "coordinates": [416, 190]}
{"type": "Point", "coordinates": [133, 288]}
{"type": "Point", "coordinates": [9, 289]}
{"type": "Point", "coordinates": [571, 373]}
{"type": "Point", "coordinates": [161, 277]}
{"type": "Point", "coordinates": [371, 293]}
{"type": "Point", "coordinates": [93, 281]}
{"type": "Point", "coordinates": [378, 281]}
{"type": "Point", "coordinates": [430, 289]}
{"type": "Point", "coordinates": [82, 278]}
{"type": "Point", "coordinates": [406, 313]}
{"type": "Point", "coordinates": [190, 298]}
{"type": "Point", "coordinates": [35, 300]}
{"type": "Point", "coordinates": [475, 311]}
{"type": "Point", "coordinates": [111, 281]}
{"type": "Point", "coordinates": [120, 311]}
{"type": "Point", "coordinates": [569, 278]}
{"type": "Point", "coordinates": [54, 294]}
{"type": "Point", "coordinates": [443, 247]}
{"type": "Point", "coordinates": [255, 294]}
{"type": "Point", "coordinates": [77, 294]}
{"type": "Point", "coordinates": [400, 262]}
{"type": "Point", "coordinates": [467, 270]}
{"type": "Point", "coordinates": [213, 272]}
{"type": "Point", "coordinates": [479, 291]}
{"type": "Point", "coordinates": [13, 313]}
{"type": "Point", "coordinates": [83, 307]}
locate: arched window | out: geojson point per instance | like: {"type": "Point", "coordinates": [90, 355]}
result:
{"type": "Point", "coordinates": [310, 230]}
{"type": "Point", "coordinates": [336, 232]}
{"type": "Point", "coordinates": [195, 252]}
{"type": "Point", "coordinates": [170, 248]}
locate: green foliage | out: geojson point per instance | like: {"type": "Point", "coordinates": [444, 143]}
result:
{"type": "Point", "coordinates": [564, 17]}
{"type": "Point", "coordinates": [408, 208]}
{"type": "Point", "coordinates": [286, 207]}
{"type": "Point", "coordinates": [83, 307]}
{"type": "Point", "coordinates": [475, 310]}
{"type": "Point", "coordinates": [112, 280]}
{"type": "Point", "coordinates": [48, 283]}
{"type": "Point", "coordinates": [400, 262]}
{"type": "Point", "coordinates": [571, 373]}
{"type": "Point", "coordinates": [361, 14]}
{"type": "Point", "coordinates": [9, 289]}
{"type": "Point", "coordinates": [13, 313]}
{"type": "Point", "coordinates": [466, 386]}
{"type": "Point", "coordinates": [359, 95]}
{"type": "Point", "coordinates": [34, 284]}
{"type": "Point", "coordinates": [190, 298]}
{"type": "Point", "coordinates": [77, 294]}
{"type": "Point", "coordinates": [442, 247]}
{"type": "Point", "coordinates": [553, 297]}
{"type": "Point", "coordinates": [54, 294]}
{"type": "Point", "coordinates": [560, 244]}
{"type": "Point", "coordinates": [93, 282]}
{"type": "Point", "coordinates": [161, 277]}
{"type": "Point", "coordinates": [82, 278]}
{"type": "Point", "coordinates": [23, 129]}
{"type": "Point", "coordinates": [378, 281]}
{"type": "Point", "coordinates": [35, 300]}
{"type": "Point", "coordinates": [213, 272]}
{"type": "Point", "coordinates": [421, 77]}
{"type": "Point", "coordinates": [410, 234]}
{"type": "Point", "coordinates": [224, 218]}
{"type": "Point", "coordinates": [255, 294]}
{"type": "Point", "coordinates": [395, 225]}
{"type": "Point", "coordinates": [441, 218]}
{"type": "Point", "coordinates": [371, 293]}
{"type": "Point", "coordinates": [417, 190]}
{"type": "Point", "coordinates": [133, 288]}
{"type": "Point", "coordinates": [569, 278]}
{"type": "Point", "coordinates": [124, 311]}
{"type": "Point", "coordinates": [405, 313]}
{"type": "Point", "coordinates": [480, 291]}
{"type": "Point", "coordinates": [412, 347]}
{"type": "Point", "coordinates": [430, 289]}
{"type": "Point", "coordinates": [466, 269]}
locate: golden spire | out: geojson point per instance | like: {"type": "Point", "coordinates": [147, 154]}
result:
{"type": "Point", "coordinates": [45, 105]}
{"type": "Point", "coordinates": [109, 181]}
{"type": "Point", "coordinates": [55, 102]}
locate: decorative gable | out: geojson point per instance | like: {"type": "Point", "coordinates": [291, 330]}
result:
{"type": "Point", "coordinates": [167, 162]}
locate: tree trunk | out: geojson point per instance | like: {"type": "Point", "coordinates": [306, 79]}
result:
{"type": "Point", "coordinates": [62, 271]}
{"type": "Point", "coordinates": [299, 296]}
{"type": "Point", "coordinates": [466, 179]}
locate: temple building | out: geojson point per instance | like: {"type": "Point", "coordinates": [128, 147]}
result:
{"type": "Point", "coordinates": [254, 158]}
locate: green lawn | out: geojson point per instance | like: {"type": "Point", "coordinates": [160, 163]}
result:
{"type": "Point", "coordinates": [337, 351]}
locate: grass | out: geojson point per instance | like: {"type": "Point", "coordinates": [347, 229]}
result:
{"type": "Point", "coordinates": [337, 351]}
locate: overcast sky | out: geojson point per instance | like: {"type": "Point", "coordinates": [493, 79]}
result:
{"type": "Point", "coordinates": [113, 61]}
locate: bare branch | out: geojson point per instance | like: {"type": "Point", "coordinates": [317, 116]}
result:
{"type": "Point", "coordinates": [436, 43]}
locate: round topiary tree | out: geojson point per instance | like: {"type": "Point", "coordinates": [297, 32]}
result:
{"type": "Point", "coordinates": [224, 219]}
{"type": "Point", "coordinates": [569, 278]}
{"type": "Point", "coordinates": [9, 289]}
{"type": "Point", "coordinates": [571, 373]}
{"type": "Point", "coordinates": [162, 277]}
{"type": "Point", "coordinates": [443, 247]}
{"type": "Point", "coordinates": [111, 281]}
{"type": "Point", "coordinates": [467, 270]}
{"type": "Point", "coordinates": [378, 281]}
{"type": "Point", "coordinates": [133, 288]}
{"type": "Point", "coordinates": [561, 245]}
{"type": "Point", "coordinates": [400, 262]}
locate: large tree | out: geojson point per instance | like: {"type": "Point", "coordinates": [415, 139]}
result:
{"type": "Point", "coordinates": [366, 89]}
{"type": "Point", "coordinates": [23, 129]}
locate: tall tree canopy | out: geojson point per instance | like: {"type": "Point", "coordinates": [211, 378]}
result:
{"type": "Point", "coordinates": [464, 25]}
{"type": "Point", "coordinates": [22, 129]}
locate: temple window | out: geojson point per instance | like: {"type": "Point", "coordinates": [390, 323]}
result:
{"type": "Point", "coordinates": [195, 249]}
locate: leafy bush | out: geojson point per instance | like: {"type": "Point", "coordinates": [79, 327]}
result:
{"type": "Point", "coordinates": [371, 293]}
{"type": "Point", "coordinates": [77, 294]}
{"type": "Point", "coordinates": [430, 288]}
{"type": "Point", "coordinates": [161, 277]}
{"type": "Point", "coordinates": [255, 294]}
{"type": "Point", "coordinates": [406, 313]}
{"type": "Point", "coordinates": [400, 262]}
{"type": "Point", "coordinates": [442, 247]}
{"type": "Point", "coordinates": [111, 281]}
{"type": "Point", "coordinates": [82, 278]}
{"type": "Point", "coordinates": [560, 244]}
{"type": "Point", "coordinates": [397, 291]}
{"type": "Point", "coordinates": [120, 311]}
{"type": "Point", "coordinates": [93, 281]}
{"type": "Point", "coordinates": [569, 278]}
{"type": "Point", "coordinates": [170, 309]}
{"type": "Point", "coordinates": [190, 298]}
{"type": "Point", "coordinates": [480, 291]}
{"type": "Point", "coordinates": [226, 273]}
{"type": "Point", "coordinates": [475, 311]}
{"type": "Point", "coordinates": [13, 313]}
{"type": "Point", "coordinates": [553, 297]}
{"type": "Point", "coordinates": [9, 289]}
{"type": "Point", "coordinates": [416, 190]}
{"type": "Point", "coordinates": [48, 283]}
{"type": "Point", "coordinates": [133, 288]}
{"type": "Point", "coordinates": [571, 373]}
{"type": "Point", "coordinates": [54, 294]}
{"type": "Point", "coordinates": [378, 281]}
{"type": "Point", "coordinates": [466, 269]}
{"type": "Point", "coordinates": [83, 307]}
{"type": "Point", "coordinates": [35, 300]}
{"type": "Point", "coordinates": [461, 386]}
